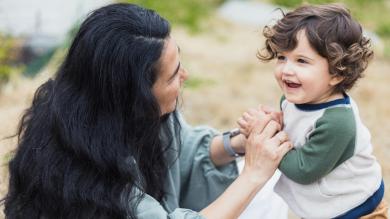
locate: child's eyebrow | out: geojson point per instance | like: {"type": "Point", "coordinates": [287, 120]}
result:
{"type": "Point", "coordinates": [306, 57]}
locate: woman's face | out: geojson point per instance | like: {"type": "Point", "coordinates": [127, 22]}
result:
{"type": "Point", "coordinates": [170, 78]}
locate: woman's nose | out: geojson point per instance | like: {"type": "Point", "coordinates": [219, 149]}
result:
{"type": "Point", "coordinates": [184, 73]}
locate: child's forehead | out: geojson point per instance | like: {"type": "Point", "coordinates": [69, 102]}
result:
{"type": "Point", "coordinates": [302, 44]}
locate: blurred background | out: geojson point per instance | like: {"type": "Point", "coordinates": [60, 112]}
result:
{"type": "Point", "coordinates": [218, 40]}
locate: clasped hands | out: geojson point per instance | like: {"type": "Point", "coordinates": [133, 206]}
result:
{"type": "Point", "coordinates": [249, 118]}
{"type": "Point", "coordinates": [266, 143]}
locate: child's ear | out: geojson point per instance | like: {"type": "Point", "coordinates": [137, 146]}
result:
{"type": "Point", "coordinates": [335, 80]}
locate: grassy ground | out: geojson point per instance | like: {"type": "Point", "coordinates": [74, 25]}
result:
{"type": "Point", "coordinates": [226, 79]}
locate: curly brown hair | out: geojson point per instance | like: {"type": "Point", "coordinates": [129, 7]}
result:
{"type": "Point", "coordinates": [331, 31]}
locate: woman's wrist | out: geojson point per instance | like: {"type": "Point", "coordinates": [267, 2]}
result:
{"type": "Point", "coordinates": [218, 153]}
{"type": "Point", "coordinates": [254, 178]}
{"type": "Point", "coordinates": [238, 143]}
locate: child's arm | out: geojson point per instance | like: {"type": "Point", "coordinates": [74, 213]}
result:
{"type": "Point", "coordinates": [331, 143]}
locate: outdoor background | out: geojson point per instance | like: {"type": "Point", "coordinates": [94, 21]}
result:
{"type": "Point", "coordinates": [218, 40]}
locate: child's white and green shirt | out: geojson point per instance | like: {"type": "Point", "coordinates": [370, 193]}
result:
{"type": "Point", "coordinates": [331, 169]}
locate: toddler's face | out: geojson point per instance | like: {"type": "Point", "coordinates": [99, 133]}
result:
{"type": "Point", "coordinates": [303, 75]}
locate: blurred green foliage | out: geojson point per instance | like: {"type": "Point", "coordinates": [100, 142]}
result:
{"type": "Point", "coordinates": [7, 158]}
{"type": "Point", "coordinates": [294, 3]}
{"type": "Point", "coordinates": [194, 82]}
{"type": "Point", "coordinates": [372, 14]}
{"type": "Point", "coordinates": [7, 44]}
{"type": "Point", "coordinates": [188, 13]}
{"type": "Point", "coordinates": [383, 29]}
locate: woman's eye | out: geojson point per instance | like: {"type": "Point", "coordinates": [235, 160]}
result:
{"type": "Point", "coordinates": [281, 58]}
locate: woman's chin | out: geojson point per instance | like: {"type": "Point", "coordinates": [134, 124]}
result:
{"type": "Point", "coordinates": [167, 111]}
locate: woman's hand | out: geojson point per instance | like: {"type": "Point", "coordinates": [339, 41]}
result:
{"type": "Point", "coordinates": [265, 147]}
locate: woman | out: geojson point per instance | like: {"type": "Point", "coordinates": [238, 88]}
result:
{"type": "Point", "coordinates": [103, 139]}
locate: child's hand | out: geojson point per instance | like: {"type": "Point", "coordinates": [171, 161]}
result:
{"type": "Point", "coordinates": [276, 115]}
{"type": "Point", "coordinates": [246, 121]}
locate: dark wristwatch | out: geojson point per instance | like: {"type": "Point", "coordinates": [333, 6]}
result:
{"type": "Point", "coordinates": [226, 136]}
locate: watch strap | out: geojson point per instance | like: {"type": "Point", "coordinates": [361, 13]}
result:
{"type": "Point", "coordinates": [226, 136]}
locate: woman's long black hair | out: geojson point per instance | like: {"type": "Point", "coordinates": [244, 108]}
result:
{"type": "Point", "coordinates": [93, 132]}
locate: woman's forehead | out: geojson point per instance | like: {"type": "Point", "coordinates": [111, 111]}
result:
{"type": "Point", "coordinates": [169, 58]}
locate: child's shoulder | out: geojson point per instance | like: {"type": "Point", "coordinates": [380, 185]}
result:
{"type": "Point", "coordinates": [338, 118]}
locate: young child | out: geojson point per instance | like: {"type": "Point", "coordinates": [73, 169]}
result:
{"type": "Point", "coordinates": [331, 172]}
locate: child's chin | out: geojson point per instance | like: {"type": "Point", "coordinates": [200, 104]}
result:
{"type": "Point", "coordinates": [294, 100]}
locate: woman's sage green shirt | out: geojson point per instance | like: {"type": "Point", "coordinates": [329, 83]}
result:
{"type": "Point", "coordinates": [193, 181]}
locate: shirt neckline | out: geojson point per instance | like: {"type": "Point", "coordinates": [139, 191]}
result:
{"type": "Point", "coordinates": [310, 107]}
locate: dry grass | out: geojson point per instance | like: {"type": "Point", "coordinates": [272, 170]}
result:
{"type": "Point", "coordinates": [231, 80]}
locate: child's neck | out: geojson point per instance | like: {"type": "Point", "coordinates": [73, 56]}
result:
{"type": "Point", "coordinates": [334, 96]}
{"type": "Point", "coordinates": [331, 97]}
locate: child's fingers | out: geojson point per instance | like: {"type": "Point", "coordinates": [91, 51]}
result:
{"type": "Point", "coordinates": [256, 112]}
{"type": "Point", "coordinates": [243, 126]}
{"type": "Point", "coordinates": [252, 111]}
{"type": "Point", "coordinates": [242, 123]}
{"type": "Point", "coordinates": [266, 109]}
{"type": "Point", "coordinates": [247, 117]}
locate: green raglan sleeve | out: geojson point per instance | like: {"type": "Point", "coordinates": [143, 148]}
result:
{"type": "Point", "coordinates": [201, 182]}
{"type": "Point", "coordinates": [331, 143]}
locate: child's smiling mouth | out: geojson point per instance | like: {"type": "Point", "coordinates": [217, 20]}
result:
{"type": "Point", "coordinates": [291, 84]}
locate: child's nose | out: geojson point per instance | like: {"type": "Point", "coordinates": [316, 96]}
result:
{"type": "Point", "coordinates": [287, 68]}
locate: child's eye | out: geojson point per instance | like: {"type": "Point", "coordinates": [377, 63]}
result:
{"type": "Point", "coordinates": [281, 58]}
{"type": "Point", "coordinates": [302, 61]}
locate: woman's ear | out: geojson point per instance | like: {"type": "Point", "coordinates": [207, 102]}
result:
{"type": "Point", "coordinates": [335, 80]}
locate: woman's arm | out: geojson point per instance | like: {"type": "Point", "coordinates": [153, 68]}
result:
{"type": "Point", "coordinates": [217, 193]}
{"type": "Point", "coordinates": [218, 154]}
{"type": "Point", "coordinates": [265, 148]}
